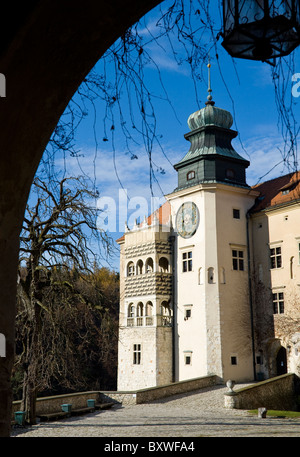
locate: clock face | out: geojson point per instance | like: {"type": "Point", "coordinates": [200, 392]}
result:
{"type": "Point", "coordinates": [187, 219]}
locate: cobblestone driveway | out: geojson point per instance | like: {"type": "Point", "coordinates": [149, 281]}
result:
{"type": "Point", "coordinates": [198, 414]}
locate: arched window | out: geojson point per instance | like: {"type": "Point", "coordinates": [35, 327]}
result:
{"type": "Point", "coordinates": [140, 309]}
{"type": "Point", "coordinates": [149, 265]}
{"type": "Point", "coordinates": [130, 315]}
{"type": "Point", "coordinates": [139, 314]}
{"type": "Point", "coordinates": [165, 308]}
{"type": "Point", "coordinates": [190, 175]}
{"type": "Point", "coordinates": [130, 269]}
{"type": "Point", "coordinates": [130, 310]}
{"type": "Point", "coordinates": [139, 267]}
{"type": "Point", "coordinates": [149, 313]}
{"type": "Point", "coordinates": [210, 275]}
{"type": "Point", "coordinates": [163, 265]}
{"type": "Point", "coordinates": [149, 308]}
{"type": "Point", "coordinates": [166, 313]}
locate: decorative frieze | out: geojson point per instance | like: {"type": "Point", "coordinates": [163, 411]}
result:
{"type": "Point", "coordinates": [148, 284]}
{"type": "Point", "coordinates": [160, 247]}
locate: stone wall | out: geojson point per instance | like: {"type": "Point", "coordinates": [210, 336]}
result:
{"type": "Point", "coordinates": [155, 393]}
{"type": "Point", "coordinates": [47, 405]}
{"type": "Point", "coordinates": [144, 374]}
{"type": "Point", "coordinates": [277, 393]}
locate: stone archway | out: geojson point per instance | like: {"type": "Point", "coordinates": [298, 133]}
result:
{"type": "Point", "coordinates": [45, 53]}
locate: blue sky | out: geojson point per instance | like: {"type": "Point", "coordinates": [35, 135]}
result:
{"type": "Point", "coordinates": [248, 93]}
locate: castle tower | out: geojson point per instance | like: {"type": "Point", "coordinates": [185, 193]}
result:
{"type": "Point", "coordinates": [146, 306]}
{"type": "Point", "coordinates": [209, 214]}
{"type": "Point", "coordinates": [184, 307]}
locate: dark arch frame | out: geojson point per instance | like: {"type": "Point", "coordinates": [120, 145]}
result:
{"type": "Point", "coordinates": [45, 53]}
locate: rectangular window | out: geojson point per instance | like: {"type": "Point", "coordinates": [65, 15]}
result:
{"type": "Point", "coordinates": [275, 256]}
{"type": "Point", "coordinates": [188, 313]}
{"type": "Point", "coordinates": [188, 358]}
{"type": "Point", "coordinates": [259, 360]}
{"type": "Point", "coordinates": [278, 303]}
{"type": "Point", "coordinates": [187, 261]}
{"type": "Point", "coordinates": [137, 353]}
{"type": "Point", "coordinates": [238, 260]}
{"type": "Point", "coordinates": [236, 213]}
{"type": "Point", "coordinates": [233, 360]}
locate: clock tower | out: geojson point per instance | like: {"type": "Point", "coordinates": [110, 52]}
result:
{"type": "Point", "coordinates": [212, 332]}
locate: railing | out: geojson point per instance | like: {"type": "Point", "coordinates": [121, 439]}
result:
{"type": "Point", "coordinates": [165, 321]}
{"type": "Point", "coordinates": [149, 321]}
{"type": "Point", "coordinates": [130, 322]}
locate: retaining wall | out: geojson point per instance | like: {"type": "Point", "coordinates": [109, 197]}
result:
{"type": "Point", "coordinates": [277, 393]}
{"type": "Point", "coordinates": [48, 405]}
{"type": "Point", "coordinates": [155, 393]}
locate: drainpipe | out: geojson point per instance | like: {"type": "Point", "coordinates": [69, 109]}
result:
{"type": "Point", "coordinates": [174, 320]}
{"type": "Point", "coordinates": [250, 296]}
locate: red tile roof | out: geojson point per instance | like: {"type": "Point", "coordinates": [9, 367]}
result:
{"type": "Point", "coordinates": [162, 213]}
{"type": "Point", "coordinates": [278, 191]}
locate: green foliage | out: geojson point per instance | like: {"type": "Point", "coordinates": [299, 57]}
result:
{"type": "Point", "coordinates": [276, 413]}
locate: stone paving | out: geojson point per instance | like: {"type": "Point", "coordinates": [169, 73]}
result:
{"type": "Point", "coordinates": [197, 414]}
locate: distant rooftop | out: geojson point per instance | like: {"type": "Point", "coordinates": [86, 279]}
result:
{"type": "Point", "coordinates": [278, 191]}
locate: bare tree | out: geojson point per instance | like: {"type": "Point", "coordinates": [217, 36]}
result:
{"type": "Point", "coordinates": [189, 32]}
{"type": "Point", "coordinates": [57, 231]}
{"type": "Point", "coordinates": [77, 347]}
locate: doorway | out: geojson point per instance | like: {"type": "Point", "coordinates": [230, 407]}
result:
{"type": "Point", "coordinates": [281, 361]}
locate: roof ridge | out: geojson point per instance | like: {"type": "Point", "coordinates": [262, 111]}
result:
{"type": "Point", "coordinates": [291, 173]}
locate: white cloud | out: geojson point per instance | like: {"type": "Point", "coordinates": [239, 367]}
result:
{"type": "Point", "coordinates": [265, 156]}
{"type": "Point", "coordinates": [124, 185]}
{"type": "Point", "coordinates": [164, 60]}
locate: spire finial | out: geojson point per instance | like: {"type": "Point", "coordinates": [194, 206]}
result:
{"type": "Point", "coordinates": [209, 90]}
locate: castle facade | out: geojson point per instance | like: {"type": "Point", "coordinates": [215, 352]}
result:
{"type": "Point", "coordinates": [210, 282]}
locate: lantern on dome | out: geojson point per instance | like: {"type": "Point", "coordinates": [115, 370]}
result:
{"type": "Point", "coordinates": [261, 29]}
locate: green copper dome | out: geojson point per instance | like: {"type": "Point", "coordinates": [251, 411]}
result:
{"type": "Point", "coordinates": [210, 115]}
{"type": "Point", "coordinates": [211, 157]}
